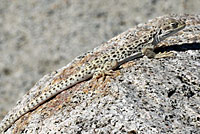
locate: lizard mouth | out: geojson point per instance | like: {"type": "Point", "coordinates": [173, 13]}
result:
{"type": "Point", "coordinates": [168, 33]}
{"type": "Point", "coordinates": [171, 32]}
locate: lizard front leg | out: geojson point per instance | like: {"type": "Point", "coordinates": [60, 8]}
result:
{"type": "Point", "coordinates": [149, 52]}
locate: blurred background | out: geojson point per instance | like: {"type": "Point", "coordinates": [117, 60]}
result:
{"type": "Point", "coordinates": [40, 36]}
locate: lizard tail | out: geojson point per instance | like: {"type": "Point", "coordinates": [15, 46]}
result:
{"type": "Point", "coordinates": [53, 90]}
{"type": "Point", "coordinates": [6, 123]}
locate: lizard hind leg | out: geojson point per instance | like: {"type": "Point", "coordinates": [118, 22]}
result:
{"type": "Point", "coordinates": [100, 78]}
{"type": "Point", "coordinates": [105, 70]}
{"type": "Point", "coordinates": [101, 75]}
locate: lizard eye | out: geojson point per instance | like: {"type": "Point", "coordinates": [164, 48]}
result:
{"type": "Point", "coordinates": [174, 25]}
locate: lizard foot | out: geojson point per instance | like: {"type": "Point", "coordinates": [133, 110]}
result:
{"type": "Point", "coordinates": [101, 78]}
{"type": "Point", "coordinates": [128, 64]}
{"type": "Point", "coordinates": [164, 55]}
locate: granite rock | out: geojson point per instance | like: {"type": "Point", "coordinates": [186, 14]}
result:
{"type": "Point", "coordinates": [148, 96]}
{"type": "Point", "coordinates": [38, 37]}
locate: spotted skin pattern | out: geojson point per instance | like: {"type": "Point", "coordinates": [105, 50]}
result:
{"type": "Point", "coordinates": [104, 63]}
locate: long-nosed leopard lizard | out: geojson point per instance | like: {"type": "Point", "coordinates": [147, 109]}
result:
{"type": "Point", "coordinates": [104, 64]}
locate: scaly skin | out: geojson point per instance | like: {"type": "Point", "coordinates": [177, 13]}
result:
{"type": "Point", "coordinates": [106, 62]}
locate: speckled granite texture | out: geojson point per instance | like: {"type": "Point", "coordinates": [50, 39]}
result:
{"type": "Point", "coordinates": [153, 96]}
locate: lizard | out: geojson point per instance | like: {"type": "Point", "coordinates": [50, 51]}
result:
{"type": "Point", "coordinates": [104, 64]}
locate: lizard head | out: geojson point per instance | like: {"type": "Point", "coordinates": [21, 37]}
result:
{"type": "Point", "coordinates": [168, 27]}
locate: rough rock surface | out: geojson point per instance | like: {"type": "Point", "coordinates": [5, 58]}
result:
{"type": "Point", "coordinates": [40, 36]}
{"type": "Point", "coordinates": [151, 96]}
